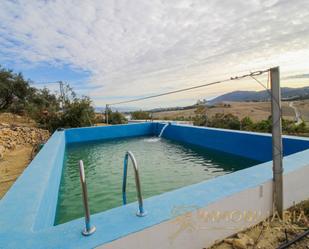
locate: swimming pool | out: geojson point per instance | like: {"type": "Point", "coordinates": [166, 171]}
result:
{"type": "Point", "coordinates": [164, 165]}
{"type": "Point", "coordinates": [28, 211]}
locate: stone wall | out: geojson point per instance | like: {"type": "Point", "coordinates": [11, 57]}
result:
{"type": "Point", "coordinates": [12, 136]}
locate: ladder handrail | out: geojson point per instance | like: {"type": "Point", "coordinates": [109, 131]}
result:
{"type": "Point", "coordinates": [89, 229]}
{"type": "Point", "coordinates": [141, 212]}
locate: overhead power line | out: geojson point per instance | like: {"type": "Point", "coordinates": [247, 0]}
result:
{"type": "Point", "coordinates": [252, 74]}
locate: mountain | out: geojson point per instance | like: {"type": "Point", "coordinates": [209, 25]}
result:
{"type": "Point", "coordinates": [236, 96]}
{"type": "Point", "coordinates": [241, 96]}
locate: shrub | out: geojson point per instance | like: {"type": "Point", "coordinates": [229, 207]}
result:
{"type": "Point", "coordinates": [246, 124]}
{"type": "Point", "coordinates": [226, 121]}
{"type": "Point", "coordinates": [141, 115]}
{"type": "Point", "coordinates": [116, 118]}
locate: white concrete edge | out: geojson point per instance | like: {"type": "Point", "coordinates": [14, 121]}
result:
{"type": "Point", "coordinates": [202, 228]}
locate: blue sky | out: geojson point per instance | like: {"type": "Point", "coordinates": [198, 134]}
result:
{"type": "Point", "coordinates": [43, 72]}
{"type": "Point", "coordinates": [116, 50]}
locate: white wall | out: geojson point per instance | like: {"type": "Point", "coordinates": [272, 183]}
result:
{"type": "Point", "coordinates": [194, 231]}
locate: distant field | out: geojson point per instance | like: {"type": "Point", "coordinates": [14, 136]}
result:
{"type": "Point", "coordinates": [255, 110]}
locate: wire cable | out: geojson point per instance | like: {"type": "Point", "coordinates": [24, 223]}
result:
{"type": "Point", "coordinates": [252, 74]}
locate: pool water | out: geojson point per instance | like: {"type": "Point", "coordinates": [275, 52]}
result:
{"type": "Point", "coordinates": [164, 165]}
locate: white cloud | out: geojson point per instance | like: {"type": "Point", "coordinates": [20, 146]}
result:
{"type": "Point", "coordinates": [139, 47]}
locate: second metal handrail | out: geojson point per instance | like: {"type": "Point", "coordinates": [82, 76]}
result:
{"type": "Point", "coordinates": [141, 212]}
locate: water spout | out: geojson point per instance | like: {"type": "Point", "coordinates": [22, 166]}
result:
{"type": "Point", "coordinates": [163, 129]}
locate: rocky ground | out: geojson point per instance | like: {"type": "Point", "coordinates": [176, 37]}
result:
{"type": "Point", "coordinates": [12, 136]}
{"type": "Point", "coordinates": [271, 233]}
{"type": "Point", "coordinates": [19, 139]}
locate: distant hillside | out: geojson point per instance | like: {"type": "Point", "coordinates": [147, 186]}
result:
{"type": "Point", "coordinates": [241, 96]}
{"type": "Point", "coordinates": [236, 96]}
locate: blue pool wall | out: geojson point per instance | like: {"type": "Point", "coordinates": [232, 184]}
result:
{"type": "Point", "coordinates": [30, 205]}
{"type": "Point", "coordinates": [30, 202]}
{"type": "Point", "coordinates": [108, 132]}
{"type": "Point", "coordinates": [257, 146]}
{"type": "Point", "coordinates": [47, 209]}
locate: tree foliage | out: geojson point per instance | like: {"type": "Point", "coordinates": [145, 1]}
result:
{"type": "Point", "coordinates": [200, 118]}
{"type": "Point", "coordinates": [230, 121]}
{"type": "Point", "coordinates": [13, 90]}
{"type": "Point", "coordinates": [116, 117]}
{"type": "Point", "coordinates": [46, 108]}
{"type": "Point", "coordinates": [140, 115]}
{"type": "Point", "coordinates": [246, 124]}
{"type": "Point", "coordinates": [225, 121]}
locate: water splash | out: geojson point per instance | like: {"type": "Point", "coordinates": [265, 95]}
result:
{"type": "Point", "coordinates": [152, 140]}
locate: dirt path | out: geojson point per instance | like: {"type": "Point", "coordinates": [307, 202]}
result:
{"type": "Point", "coordinates": [12, 165]}
{"type": "Point", "coordinates": [298, 119]}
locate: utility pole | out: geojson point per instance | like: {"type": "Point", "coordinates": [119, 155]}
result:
{"type": "Point", "coordinates": [61, 94]}
{"type": "Point", "coordinates": [106, 113]}
{"type": "Point", "coordinates": [276, 140]}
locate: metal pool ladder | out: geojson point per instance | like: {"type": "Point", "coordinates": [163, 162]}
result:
{"type": "Point", "coordinates": [88, 230]}
{"type": "Point", "coordinates": [141, 212]}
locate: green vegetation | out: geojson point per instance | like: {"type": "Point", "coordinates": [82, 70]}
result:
{"type": "Point", "coordinates": [47, 109]}
{"type": "Point", "coordinates": [230, 121]}
{"type": "Point", "coordinates": [140, 115]}
{"type": "Point", "coordinates": [200, 119]}
{"type": "Point", "coordinates": [51, 111]}
{"type": "Point", "coordinates": [246, 124]}
{"type": "Point", "coordinates": [225, 121]}
{"type": "Point", "coordinates": [116, 117]}
{"type": "Point", "coordinates": [13, 90]}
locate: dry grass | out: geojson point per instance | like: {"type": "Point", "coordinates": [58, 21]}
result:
{"type": "Point", "coordinates": [12, 165]}
{"type": "Point", "coordinates": [174, 114]}
{"type": "Point", "coordinates": [17, 120]}
{"type": "Point", "coordinates": [257, 111]}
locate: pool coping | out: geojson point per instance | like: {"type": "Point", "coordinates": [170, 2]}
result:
{"type": "Point", "coordinates": [23, 226]}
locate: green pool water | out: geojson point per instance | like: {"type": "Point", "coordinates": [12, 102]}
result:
{"type": "Point", "coordinates": [164, 165]}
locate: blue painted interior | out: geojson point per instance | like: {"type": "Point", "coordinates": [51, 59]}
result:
{"type": "Point", "coordinates": [256, 146]}
{"type": "Point", "coordinates": [27, 211]}
{"type": "Point", "coordinates": [108, 132]}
